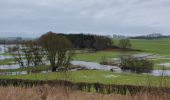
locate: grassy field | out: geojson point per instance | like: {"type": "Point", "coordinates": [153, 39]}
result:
{"type": "Point", "coordinates": [91, 76]}
{"type": "Point", "coordinates": [96, 57]}
{"type": "Point", "coordinates": [159, 46]}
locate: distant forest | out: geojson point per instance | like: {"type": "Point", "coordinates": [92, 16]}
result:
{"type": "Point", "coordinates": [81, 41]}
{"type": "Point", "coordinates": [89, 41]}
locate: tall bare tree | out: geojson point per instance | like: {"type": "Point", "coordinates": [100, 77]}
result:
{"type": "Point", "coordinates": [58, 49]}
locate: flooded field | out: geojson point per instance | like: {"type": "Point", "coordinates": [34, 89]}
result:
{"type": "Point", "coordinates": [88, 65]}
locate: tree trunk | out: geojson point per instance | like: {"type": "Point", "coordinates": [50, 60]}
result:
{"type": "Point", "coordinates": [54, 68]}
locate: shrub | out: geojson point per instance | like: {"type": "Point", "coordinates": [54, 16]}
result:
{"type": "Point", "coordinates": [135, 64]}
{"type": "Point", "coordinates": [125, 44]}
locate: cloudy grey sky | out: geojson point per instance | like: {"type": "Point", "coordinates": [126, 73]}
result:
{"type": "Point", "coordinates": [128, 17]}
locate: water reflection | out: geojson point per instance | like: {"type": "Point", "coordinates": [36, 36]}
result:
{"type": "Point", "coordinates": [5, 57]}
{"type": "Point", "coordinates": [12, 66]}
{"type": "Point", "coordinates": [23, 72]}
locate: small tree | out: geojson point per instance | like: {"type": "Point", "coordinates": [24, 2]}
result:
{"type": "Point", "coordinates": [58, 49]}
{"type": "Point", "coordinates": [125, 43]}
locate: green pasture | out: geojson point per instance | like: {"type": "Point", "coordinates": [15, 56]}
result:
{"type": "Point", "coordinates": [158, 46]}
{"type": "Point", "coordinates": [91, 76]}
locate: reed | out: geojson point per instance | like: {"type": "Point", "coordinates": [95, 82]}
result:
{"type": "Point", "coordinates": [47, 92]}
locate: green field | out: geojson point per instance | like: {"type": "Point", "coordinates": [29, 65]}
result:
{"type": "Point", "coordinates": [96, 57]}
{"type": "Point", "coordinates": [91, 76]}
{"type": "Point", "coordinates": [159, 46]}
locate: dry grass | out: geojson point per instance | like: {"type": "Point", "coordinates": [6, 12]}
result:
{"type": "Point", "coordinates": [61, 93]}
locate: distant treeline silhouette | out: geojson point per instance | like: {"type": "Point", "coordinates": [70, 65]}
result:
{"type": "Point", "coordinates": [97, 42]}
{"type": "Point", "coordinates": [151, 36]}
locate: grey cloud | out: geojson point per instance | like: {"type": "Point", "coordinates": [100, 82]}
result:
{"type": "Point", "coordinates": [98, 16]}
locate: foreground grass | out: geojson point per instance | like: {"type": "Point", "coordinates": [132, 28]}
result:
{"type": "Point", "coordinates": [62, 93]}
{"type": "Point", "coordinates": [92, 76]}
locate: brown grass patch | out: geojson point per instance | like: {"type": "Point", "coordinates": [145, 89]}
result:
{"type": "Point", "coordinates": [61, 93]}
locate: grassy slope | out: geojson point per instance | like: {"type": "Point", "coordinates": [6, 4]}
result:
{"type": "Point", "coordinates": [105, 77]}
{"type": "Point", "coordinates": [160, 46]}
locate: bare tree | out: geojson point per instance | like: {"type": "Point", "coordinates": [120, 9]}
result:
{"type": "Point", "coordinates": [32, 52]}
{"type": "Point", "coordinates": [125, 43]}
{"type": "Point", "coordinates": [18, 58]}
{"type": "Point", "coordinates": [58, 49]}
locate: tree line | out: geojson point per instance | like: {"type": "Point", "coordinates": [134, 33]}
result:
{"type": "Point", "coordinates": [96, 42]}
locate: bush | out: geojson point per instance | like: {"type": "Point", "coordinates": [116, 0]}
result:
{"type": "Point", "coordinates": [125, 44]}
{"type": "Point", "coordinates": [135, 64]}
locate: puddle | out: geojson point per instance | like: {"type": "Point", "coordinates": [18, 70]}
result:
{"type": "Point", "coordinates": [94, 65]}
{"type": "Point", "coordinates": [164, 64]}
{"type": "Point", "coordinates": [5, 57]}
{"type": "Point", "coordinates": [159, 72]}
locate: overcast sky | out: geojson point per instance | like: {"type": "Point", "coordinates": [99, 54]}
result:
{"type": "Point", "coordinates": [128, 17]}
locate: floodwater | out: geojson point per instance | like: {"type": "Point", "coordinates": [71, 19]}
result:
{"type": "Point", "coordinates": [94, 65]}
{"type": "Point", "coordinates": [87, 65]}
{"type": "Point", "coordinates": [23, 72]}
{"type": "Point", "coordinates": [5, 57]}
{"type": "Point", "coordinates": [160, 72]}
{"type": "Point", "coordinates": [165, 64]}
{"type": "Point", "coordinates": [1, 49]}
